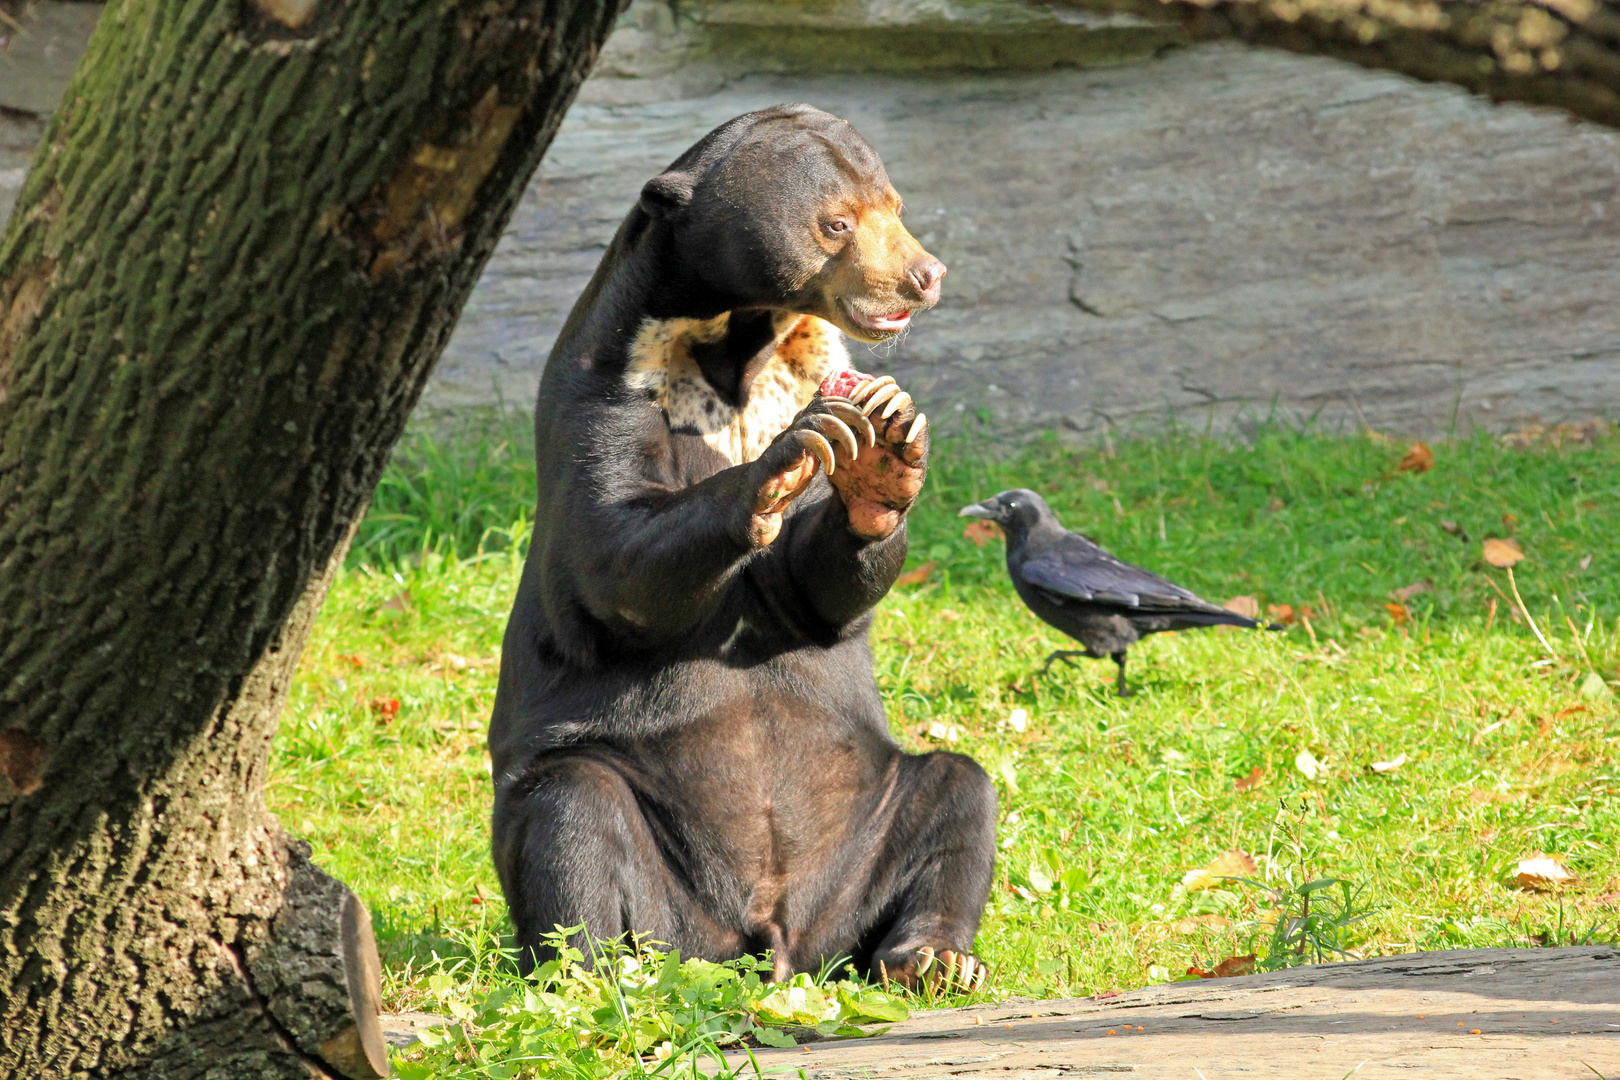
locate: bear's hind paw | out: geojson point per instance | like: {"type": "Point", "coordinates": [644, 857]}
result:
{"type": "Point", "coordinates": [944, 971]}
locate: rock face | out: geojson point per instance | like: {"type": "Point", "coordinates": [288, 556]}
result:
{"type": "Point", "coordinates": [1216, 230]}
{"type": "Point", "coordinates": [1206, 232]}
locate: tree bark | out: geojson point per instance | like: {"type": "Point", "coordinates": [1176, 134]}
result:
{"type": "Point", "coordinates": [1563, 53]}
{"type": "Point", "coordinates": [245, 239]}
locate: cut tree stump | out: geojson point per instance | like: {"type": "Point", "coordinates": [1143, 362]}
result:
{"type": "Point", "coordinates": [1469, 1014]}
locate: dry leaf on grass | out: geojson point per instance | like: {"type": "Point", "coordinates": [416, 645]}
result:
{"type": "Point", "coordinates": [981, 532]}
{"type": "Point", "coordinates": [1226, 969]}
{"type": "Point", "coordinates": [1247, 606]}
{"type": "Point", "coordinates": [1400, 614]}
{"type": "Point", "coordinates": [1230, 864]}
{"type": "Point", "coordinates": [385, 709]}
{"type": "Point", "coordinates": [1502, 553]}
{"type": "Point", "coordinates": [1282, 613]}
{"type": "Point", "coordinates": [1306, 762]}
{"type": "Point", "coordinates": [919, 575]}
{"type": "Point", "coordinates": [1388, 766]}
{"type": "Point", "coordinates": [1418, 459]}
{"type": "Point", "coordinates": [1451, 528]}
{"type": "Point", "coordinates": [400, 601]}
{"type": "Point", "coordinates": [1234, 965]}
{"type": "Point", "coordinates": [944, 732]}
{"type": "Point", "coordinates": [1405, 593]}
{"type": "Point", "coordinates": [1194, 923]}
{"type": "Point", "coordinates": [1594, 688]}
{"type": "Point", "coordinates": [1541, 872]}
{"type": "Point", "coordinates": [1252, 781]}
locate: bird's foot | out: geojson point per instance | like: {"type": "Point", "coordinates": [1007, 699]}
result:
{"type": "Point", "coordinates": [1065, 655]}
{"type": "Point", "coordinates": [944, 971]}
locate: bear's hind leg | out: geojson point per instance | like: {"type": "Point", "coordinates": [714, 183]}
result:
{"type": "Point", "coordinates": [935, 872]}
{"type": "Point", "coordinates": [573, 846]}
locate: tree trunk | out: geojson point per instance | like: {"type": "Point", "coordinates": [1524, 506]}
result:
{"type": "Point", "coordinates": [245, 239]}
{"type": "Point", "coordinates": [1564, 53]}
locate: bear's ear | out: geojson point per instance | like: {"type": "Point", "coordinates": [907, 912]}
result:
{"type": "Point", "coordinates": [666, 192]}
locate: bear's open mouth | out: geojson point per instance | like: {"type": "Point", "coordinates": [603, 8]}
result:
{"type": "Point", "coordinates": [891, 323]}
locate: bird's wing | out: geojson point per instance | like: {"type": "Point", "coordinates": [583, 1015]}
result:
{"type": "Point", "coordinates": [1076, 569]}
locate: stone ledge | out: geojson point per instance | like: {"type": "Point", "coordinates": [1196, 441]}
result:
{"type": "Point", "coordinates": [1470, 1014]}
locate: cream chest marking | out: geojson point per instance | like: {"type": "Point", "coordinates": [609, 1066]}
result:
{"type": "Point", "coordinates": [661, 365]}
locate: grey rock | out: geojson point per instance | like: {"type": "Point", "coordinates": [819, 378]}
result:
{"type": "Point", "coordinates": [39, 48]}
{"type": "Point", "coordinates": [1204, 235]}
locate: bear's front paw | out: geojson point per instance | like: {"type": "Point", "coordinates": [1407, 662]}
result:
{"type": "Point", "coordinates": [946, 971]}
{"type": "Point", "coordinates": [788, 465]}
{"type": "Point", "coordinates": [880, 485]}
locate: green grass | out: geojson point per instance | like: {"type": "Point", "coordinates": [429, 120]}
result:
{"type": "Point", "coordinates": [1105, 802]}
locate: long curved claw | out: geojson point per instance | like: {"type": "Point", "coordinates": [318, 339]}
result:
{"type": "Point", "coordinates": [872, 386]}
{"type": "Point", "coordinates": [918, 426]}
{"type": "Point", "coordinates": [896, 403]}
{"type": "Point", "coordinates": [837, 430]}
{"type": "Point", "coordinates": [818, 445]}
{"type": "Point", "coordinates": [926, 961]}
{"type": "Point", "coordinates": [879, 396]}
{"type": "Point", "coordinates": [852, 416]}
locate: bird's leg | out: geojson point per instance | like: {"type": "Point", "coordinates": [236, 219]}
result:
{"type": "Point", "coordinates": [1119, 658]}
{"type": "Point", "coordinates": [1063, 655]}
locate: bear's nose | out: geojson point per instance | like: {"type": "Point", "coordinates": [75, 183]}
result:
{"type": "Point", "coordinates": [924, 277]}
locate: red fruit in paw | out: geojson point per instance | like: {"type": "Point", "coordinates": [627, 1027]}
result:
{"type": "Point", "coordinates": [842, 383]}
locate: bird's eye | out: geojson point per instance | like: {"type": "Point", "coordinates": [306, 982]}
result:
{"type": "Point", "coordinates": [835, 227]}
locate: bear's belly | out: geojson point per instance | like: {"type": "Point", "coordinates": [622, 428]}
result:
{"type": "Point", "coordinates": [775, 794]}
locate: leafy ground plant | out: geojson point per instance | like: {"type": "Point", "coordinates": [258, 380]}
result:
{"type": "Point", "coordinates": [623, 1011]}
{"type": "Point", "coordinates": [1438, 743]}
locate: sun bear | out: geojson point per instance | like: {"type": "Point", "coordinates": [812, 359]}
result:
{"type": "Point", "coordinates": [687, 740]}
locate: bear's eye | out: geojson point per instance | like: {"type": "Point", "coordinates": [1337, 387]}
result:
{"type": "Point", "coordinates": [835, 227]}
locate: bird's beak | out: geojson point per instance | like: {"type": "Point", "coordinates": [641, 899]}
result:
{"type": "Point", "coordinates": [978, 510]}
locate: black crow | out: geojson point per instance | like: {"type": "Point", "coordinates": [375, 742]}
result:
{"type": "Point", "coordinates": [1076, 586]}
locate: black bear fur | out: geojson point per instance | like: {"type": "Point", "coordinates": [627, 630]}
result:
{"type": "Point", "coordinates": [688, 743]}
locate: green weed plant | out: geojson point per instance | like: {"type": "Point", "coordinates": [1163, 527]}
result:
{"type": "Point", "coordinates": [624, 1010]}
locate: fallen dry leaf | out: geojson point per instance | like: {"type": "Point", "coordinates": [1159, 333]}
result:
{"type": "Point", "coordinates": [1584, 563]}
{"type": "Point", "coordinates": [1453, 529]}
{"type": "Point", "coordinates": [1400, 613]}
{"type": "Point", "coordinates": [1306, 762]}
{"type": "Point", "coordinates": [1252, 781]}
{"type": "Point", "coordinates": [1541, 872]}
{"type": "Point", "coordinates": [385, 709]}
{"type": "Point", "coordinates": [1230, 864]}
{"type": "Point", "coordinates": [1388, 766]}
{"type": "Point", "coordinates": [944, 732]}
{"type": "Point", "coordinates": [1234, 965]}
{"type": "Point", "coordinates": [981, 532]}
{"type": "Point", "coordinates": [919, 575]}
{"type": "Point", "coordinates": [400, 601]}
{"type": "Point", "coordinates": [1502, 553]}
{"type": "Point", "coordinates": [1247, 606]}
{"type": "Point", "coordinates": [1282, 613]}
{"type": "Point", "coordinates": [1402, 595]}
{"type": "Point", "coordinates": [1510, 521]}
{"type": "Point", "coordinates": [1418, 459]}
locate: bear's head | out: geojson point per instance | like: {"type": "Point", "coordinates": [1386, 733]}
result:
{"type": "Point", "coordinates": [788, 208]}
